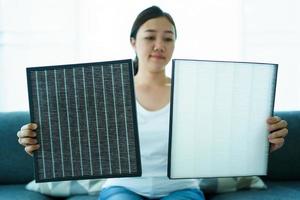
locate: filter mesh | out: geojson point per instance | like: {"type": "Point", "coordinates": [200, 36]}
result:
{"type": "Point", "coordinates": [87, 121]}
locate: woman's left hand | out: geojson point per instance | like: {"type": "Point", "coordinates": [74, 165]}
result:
{"type": "Point", "coordinates": [278, 130]}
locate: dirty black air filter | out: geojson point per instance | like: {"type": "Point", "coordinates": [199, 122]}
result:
{"type": "Point", "coordinates": [87, 121]}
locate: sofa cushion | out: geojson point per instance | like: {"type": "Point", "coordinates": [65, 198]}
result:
{"type": "Point", "coordinates": [16, 166]}
{"type": "Point", "coordinates": [230, 184]}
{"type": "Point", "coordinates": [67, 188]}
{"type": "Point", "coordinates": [18, 192]}
{"type": "Point", "coordinates": [283, 190]}
{"type": "Point", "coordinates": [284, 164]}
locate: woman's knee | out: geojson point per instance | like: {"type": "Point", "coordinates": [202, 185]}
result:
{"type": "Point", "coordinates": [118, 193]}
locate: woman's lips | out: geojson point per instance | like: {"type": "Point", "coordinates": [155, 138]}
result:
{"type": "Point", "coordinates": [157, 56]}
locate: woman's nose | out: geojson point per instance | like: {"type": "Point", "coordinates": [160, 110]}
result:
{"type": "Point", "coordinates": [159, 46]}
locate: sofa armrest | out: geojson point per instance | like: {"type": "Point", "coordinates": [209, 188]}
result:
{"type": "Point", "coordinates": [284, 164]}
{"type": "Point", "coordinates": [16, 165]}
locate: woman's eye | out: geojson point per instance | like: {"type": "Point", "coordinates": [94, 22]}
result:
{"type": "Point", "coordinates": [168, 39]}
{"type": "Point", "coordinates": [150, 38]}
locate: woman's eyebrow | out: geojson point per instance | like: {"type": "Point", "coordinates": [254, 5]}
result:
{"type": "Point", "coordinates": [171, 32]}
{"type": "Point", "coordinates": [150, 30]}
{"type": "Point", "coordinates": [154, 31]}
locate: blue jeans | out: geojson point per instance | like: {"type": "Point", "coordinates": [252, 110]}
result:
{"type": "Point", "coordinates": [121, 193]}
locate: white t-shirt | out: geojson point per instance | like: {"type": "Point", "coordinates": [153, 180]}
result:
{"type": "Point", "coordinates": [153, 129]}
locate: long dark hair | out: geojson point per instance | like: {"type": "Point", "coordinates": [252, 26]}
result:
{"type": "Point", "coordinates": [145, 15]}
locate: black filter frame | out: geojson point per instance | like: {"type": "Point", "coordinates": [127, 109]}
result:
{"type": "Point", "coordinates": [87, 121]}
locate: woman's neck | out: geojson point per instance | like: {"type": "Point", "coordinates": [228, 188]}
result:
{"type": "Point", "coordinates": [151, 78]}
{"type": "Point", "coordinates": [152, 90]}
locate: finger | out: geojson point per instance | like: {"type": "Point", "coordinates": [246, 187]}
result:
{"type": "Point", "coordinates": [30, 149]}
{"type": "Point", "coordinates": [277, 141]}
{"type": "Point", "coordinates": [27, 141]}
{"type": "Point", "coordinates": [274, 119]}
{"type": "Point", "coordinates": [30, 126]}
{"type": "Point", "coordinates": [279, 125]}
{"type": "Point", "coordinates": [26, 133]}
{"type": "Point", "coordinates": [275, 147]}
{"type": "Point", "coordinates": [278, 134]}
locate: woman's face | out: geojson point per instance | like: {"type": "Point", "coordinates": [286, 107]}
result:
{"type": "Point", "coordinates": [154, 44]}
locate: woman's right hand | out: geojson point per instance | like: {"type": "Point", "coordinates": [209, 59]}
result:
{"type": "Point", "coordinates": [27, 138]}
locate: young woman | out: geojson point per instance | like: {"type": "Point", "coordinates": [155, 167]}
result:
{"type": "Point", "coordinates": [153, 37]}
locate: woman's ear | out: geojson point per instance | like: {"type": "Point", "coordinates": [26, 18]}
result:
{"type": "Point", "coordinates": [132, 42]}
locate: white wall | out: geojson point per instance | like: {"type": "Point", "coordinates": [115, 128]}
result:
{"type": "Point", "coordinates": [271, 31]}
{"type": "Point", "coordinates": [47, 32]}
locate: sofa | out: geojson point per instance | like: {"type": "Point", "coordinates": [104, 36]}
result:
{"type": "Point", "coordinates": [283, 179]}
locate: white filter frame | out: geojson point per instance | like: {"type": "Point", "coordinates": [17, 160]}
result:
{"type": "Point", "coordinates": [218, 118]}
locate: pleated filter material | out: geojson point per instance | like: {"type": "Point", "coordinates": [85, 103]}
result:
{"type": "Point", "coordinates": [218, 118]}
{"type": "Point", "coordinates": [87, 124]}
